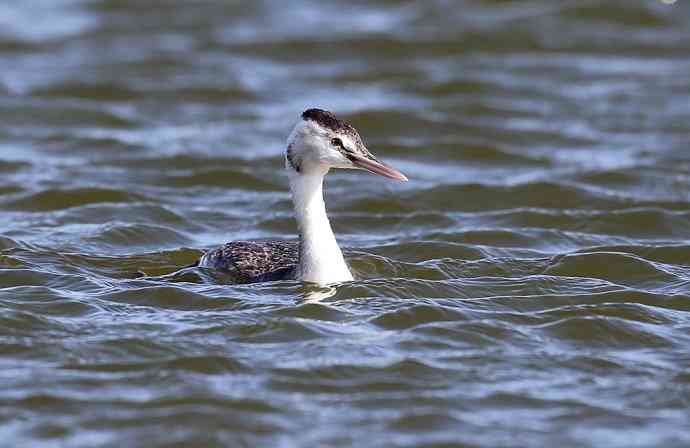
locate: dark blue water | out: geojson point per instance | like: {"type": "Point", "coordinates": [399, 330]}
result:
{"type": "Point", "coordinates": [530, 286]}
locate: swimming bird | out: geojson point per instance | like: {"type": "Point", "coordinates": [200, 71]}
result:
{"type": "Point", "coordinates": [319, 141]}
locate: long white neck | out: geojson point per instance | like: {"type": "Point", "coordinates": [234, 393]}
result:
{"type": "Point", "coordinates": [321, 260]}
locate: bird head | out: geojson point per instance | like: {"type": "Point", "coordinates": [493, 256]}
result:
{"type": "Point", "coordinates": [321, 141]}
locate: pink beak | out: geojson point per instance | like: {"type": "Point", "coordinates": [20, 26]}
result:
{"type": "Point", "coordinates": [376, 167]}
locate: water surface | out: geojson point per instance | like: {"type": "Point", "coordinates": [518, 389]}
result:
{"type": "Point", "coordinates": [530, 286]}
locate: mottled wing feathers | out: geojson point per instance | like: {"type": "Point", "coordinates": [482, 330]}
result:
{"type": "Point", "coordinates": [255, 261]}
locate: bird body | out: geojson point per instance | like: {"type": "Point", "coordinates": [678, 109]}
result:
{"type": "Point", "coordinates": [255, 261]}
{"type": "Point", "coordinates": [318, 143]}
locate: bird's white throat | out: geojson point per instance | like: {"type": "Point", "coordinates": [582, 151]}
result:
{"type": "Point", "coordinates": [320, 258]}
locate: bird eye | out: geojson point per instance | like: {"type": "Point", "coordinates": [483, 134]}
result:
{"type": "Point", "coordinates": [336, 142]}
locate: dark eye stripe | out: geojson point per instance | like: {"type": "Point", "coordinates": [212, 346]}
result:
{"type": "Point", "coordinates": [337, 142]}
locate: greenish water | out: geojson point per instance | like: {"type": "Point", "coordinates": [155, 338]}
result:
{"type": "Point", "coordinates": [530, 286]}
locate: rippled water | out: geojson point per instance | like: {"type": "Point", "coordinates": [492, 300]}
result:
{"type": "Point", "coordinates": [530, 286]}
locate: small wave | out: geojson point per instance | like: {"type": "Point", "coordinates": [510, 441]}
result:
{"type": "Point", "coordinates": [136, 236]}
{"type": "Point", "coordinates": [58, 199]}
{"type": "Point", "coordinates": [60, 115]}
{"type": "Point", "coordinates": [228, 178]}
{"type": "Point", "coordinates": [12, 166]}
{"type": "Point", "coordinates": [91, 91]}
{"type": "Point", "coordinates": [46, 301]}
{"type": "Point", "coordinates": [166, 297]}
{"type": "Point", "coordinates": [621, 268]}
{"type": "Point", "coordinates": [614, 332]}
{"type": "Point", "coordinates": [209, 365]}
{"type": "Point", "coordinates": [417, 315]}
{"type": "Point", "coordinates": [481, 197]}
{"type": "Point", "coordinates": [621, 13]}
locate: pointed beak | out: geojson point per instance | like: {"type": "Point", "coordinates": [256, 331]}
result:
{"type": "Point", "coordinates": [376, 167]}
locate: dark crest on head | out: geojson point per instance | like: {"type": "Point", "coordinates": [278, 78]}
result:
{"type": "Point", "coordinates": [327, 120]}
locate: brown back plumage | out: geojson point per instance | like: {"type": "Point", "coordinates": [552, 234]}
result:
{"type": "Point", "coordinates": [255, 261]}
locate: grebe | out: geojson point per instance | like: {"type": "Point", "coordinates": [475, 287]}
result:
{"type": "Point", "coordinates": [319, 142]}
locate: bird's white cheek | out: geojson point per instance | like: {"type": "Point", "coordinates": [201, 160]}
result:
{"type": "Point", "coordinates": [336, 159]}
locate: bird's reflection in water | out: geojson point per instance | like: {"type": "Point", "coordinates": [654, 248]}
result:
{"type": "Point", "coordinates": [313, 293]}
